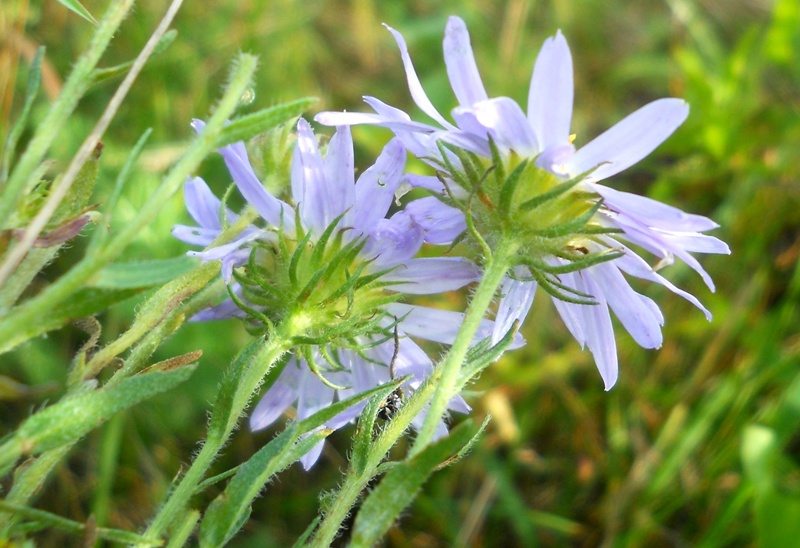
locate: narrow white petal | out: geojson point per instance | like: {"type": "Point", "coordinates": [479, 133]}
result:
{"type": "Point", "coordinates": [630, 140]}
{"type": "Point", "coordinates": [278, 398]}
{"type": "Point", "coordinates": [330, 118]}
{"type": "Point", "coordinates": [515, 302]}
{"type": "Point", "coordinates": [570, 313]}
{"type": "Point", "coordinates": [459, 405]}
{"type": "Point", "coordinates": [414, 85]}
{"type": "Point", "coordinates": [600, 333]}
{"type": "Point", "coordinates": [633, 310]}
{"type": "Point", "coordinates": [393, 241]}
{"type": "Point", "coordinates": [429, 275]}
{"type": "Point", "coordinates": [309, 459]}
{"type": "Point", "coordinates": [632, 264]}
{"type": "Point", "coordinates": [375, 188]}
{"type": "Point", "coordinates": [438, 325]}
{"type": "Point", "coordinates": [461, 68]}
{"type": "Point", "coordinates": [195, 235]}
{"type": "Point", "coordinates": [201, 203]}
{"type": "Point", "coordinates": [441, 223]}
{"type": "Point", "coordinates": [269, 207]}
{"type": "Point", "coordinates": [652, 212]}
{"type": "Point", "coordinates": [225, 310]}
{"type": "Point", "coordinates": [663, 245]}
{"type": "Point", "coordinates": [314, 394]}
{"type": "Point", "coordinates": [338, 196]}
{"type": "Point", "coordinates": [697, 243]}
{"type": "Point", "coordinates": [509, 125]}
{"type": "Point", "coordinates": [308, 179]}
{"type": "Point", "coordinates": [551, 93]}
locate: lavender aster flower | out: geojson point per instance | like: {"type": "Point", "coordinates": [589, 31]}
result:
{"type": "Point", "coordinates": [332, 210]}
{"type": "Point", "coordinates": [205, 209]}
{"type": "Point", "coordinates": [488, 127]}
{"type": "Point", "coordinates": [357, 371]}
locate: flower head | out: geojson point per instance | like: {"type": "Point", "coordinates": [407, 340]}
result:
{"type": "Point", "coordinates": [333, 255]}
{"type": "Point", "coordinates": [572, 231]}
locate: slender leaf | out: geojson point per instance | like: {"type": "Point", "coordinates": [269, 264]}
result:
{"type": "Point", "coordinates": [46, 519]}
{"type": "Point", "coordinates": [402, 483]}
{"type": "Point", "coordinates": [73, 418]}
{"type": "Point", "coordinates": [229, 511]}
{"type": "Point", "coordinates": [246, 127]}
{"type": "Point", "coordinates": [142, 274]}
{"type": "Point", "coordinates": [76, 7]}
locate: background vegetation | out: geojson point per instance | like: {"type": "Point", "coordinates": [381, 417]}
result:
{"type": "Point", "coordinates": [698, 444]}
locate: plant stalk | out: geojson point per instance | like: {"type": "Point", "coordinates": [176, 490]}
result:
{"type": "Point", "coordinates": [439, 388]}
{"type": "Point", "coordinates": [221, 427]}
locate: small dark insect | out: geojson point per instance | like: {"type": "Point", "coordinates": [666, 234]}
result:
{"type": "Point", "coordinates": [394, 401]}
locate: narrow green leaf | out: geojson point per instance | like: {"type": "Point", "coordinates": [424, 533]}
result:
{"type": "Point", "coordinates": [302, 540]}
{"type": "Point", "coordinates": [401, 485]}
{"type": "Point", "coordinates": [362, 442]}
{"type": "Point", "coordinates": [561, 291]}
{"type": "Point", "coordinates": [229, 511]}
{"type": "Point", "coordinates": [160, 307]}
{"type": "Point", "coordinates": [142, 274]}
{"type": "Point", "coordinates": [47, 519]}
{"type": "Point", "coordinates": [452, 172]}
{"type": "Point", "coordinates": [246, 127]}
{"type": "Point", "coordinates": [85, 302]}
{"type": "Point", "coordinates": [76, 7]}
{"type": "Point", "coordinates": [181, 533]}
{"type": "Point", "coordinates": [777, 513]}
{"type": "Point", "coordinates": [77, 199]}
{"type": "Point", "coordinates": [321, 417]}
{"type": "Point", "coordinates": [73, 418]}
{"type": "Point", "coordinates": [467, 447]}
{"type": "Point", "coordinates": [99, 236]}
{"type": "Point", "coordinates": [510, 186]}
{"type": "Point", "coordinates": [559, 231]}
{"type": "Point", "coordinates": [481, 356]}
{"type": "Point", "coordinates": [497, 160]}
{"type": "Point", "coordinates": [575, 265]}
{"type": "Point", "coordinates": [221, 415]}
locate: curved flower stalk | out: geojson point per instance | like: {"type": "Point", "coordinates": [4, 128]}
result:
{"type": "Point", "coordinates": [570, 228]}
{"type": "Point", "coordinates": [334, 260]}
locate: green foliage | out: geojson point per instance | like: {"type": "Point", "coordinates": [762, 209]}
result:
{"type": "Point", "coordinates": [146, 273]}
{"type": "Point", "coordinates": [227, 513]}
{"type": "Point", "coordinates": [73, 418]}
{"type": "Point", "coordinates": [402, 482]}
{"type": "Point", "coordinates": [77, 7]}
{"type": "Point", "coordinates": [250, 125]}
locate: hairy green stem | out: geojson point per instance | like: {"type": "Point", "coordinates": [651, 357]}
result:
{"type": "Point", "coordinates": [224, 417]}
{"type": "Point", "coordinates": [446, 373]}
{"type": "Point", "coordinates": [439, 388]}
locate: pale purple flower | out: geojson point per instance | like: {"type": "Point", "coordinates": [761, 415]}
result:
{"type": "Point", "coordinates": [544, 134]}
{"type": "Point", "coordinates": [299, 388]}
{"type": "Point", "coordinates": [205, 209]}
{"type": "Point", "coordinates": [324, 189]}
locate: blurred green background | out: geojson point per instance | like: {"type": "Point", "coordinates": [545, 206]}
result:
{"type": "Point", "coordinates": [697, 445]}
